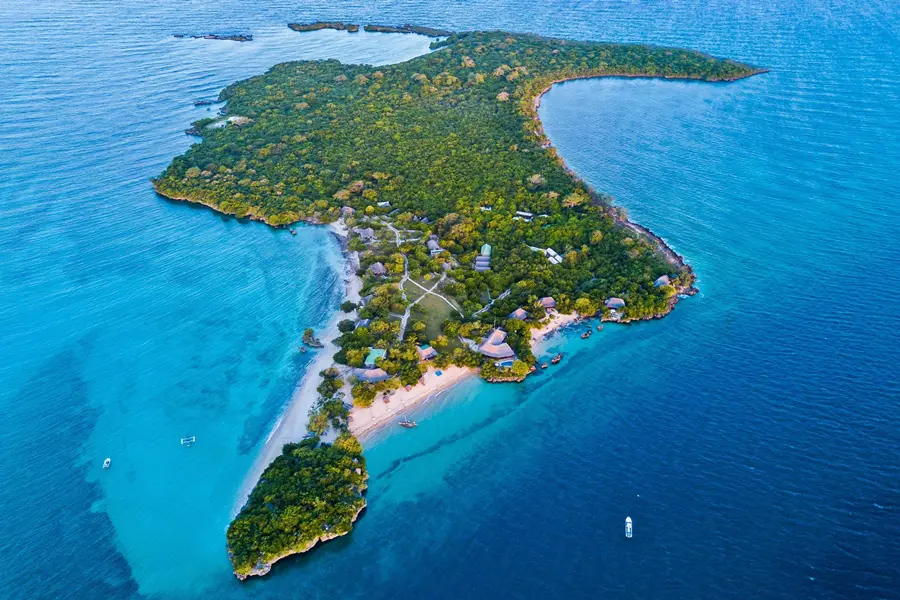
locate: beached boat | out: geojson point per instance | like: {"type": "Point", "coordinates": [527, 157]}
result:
{"type": "Point", "coordinates": [556, 358]}
{"type": "Point", "coordinates": [106, 463]}
{"type": "Point", "coordinates": [628, 527]}
{"type": "Point", "coordinates": [408, 424]}
{"type": "Point", "coordinates": [187, 441]}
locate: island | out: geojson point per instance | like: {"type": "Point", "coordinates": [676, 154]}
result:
{"type": "Point", "coordinates": [468, 236]}
{"type": "Point", "coordinates": [316, 26]}
{"type": "Point", "coordinates": [238, 37]}
{"type": "Point", "coordinates": [426, 31]}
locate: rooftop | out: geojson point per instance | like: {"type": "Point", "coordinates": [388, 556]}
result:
{"type": "Point", "coordinates": [520, 314]}
{"type": "Point", "coordinates": [547, 302]}
{"type": "Point", "coordinates": [373, 375]}
{"type": "Point", "coordinates": [615, 303]}
{"type": "Point", "coordinates": [495, 346]}
{"type": "Point", "coordinates": [426, 352]}
{"type": "Point", "coordinates": [375, 354]}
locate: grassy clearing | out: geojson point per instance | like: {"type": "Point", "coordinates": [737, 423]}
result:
{"type": "Point", "coordinates": [436, 311]}
{"type": "Point", "coordinates": [413, 292]}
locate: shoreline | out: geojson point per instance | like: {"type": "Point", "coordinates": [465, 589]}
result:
{"type": "Point", "coordinates": [367, 420]}
{"type": "Point", "coordinates": [291, 425]}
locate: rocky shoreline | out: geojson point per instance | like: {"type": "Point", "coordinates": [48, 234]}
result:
{"type": "Point", "coordinates": [672, 257]}
{"type": "Point", "coordinates": [263, 568]}
{"type": "Point", "coordinates": [318, 25]}
{"type": "Point", "coordinates": [371, 28]}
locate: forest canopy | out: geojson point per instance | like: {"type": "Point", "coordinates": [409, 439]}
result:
{"type": "Point", "coordinates": [447, 147]}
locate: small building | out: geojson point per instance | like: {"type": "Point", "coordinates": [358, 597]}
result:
{"type": "Point", "coordinates": [434, 247]}
{"type": "Point", "coordinates": [363, 323]}
{"type": "Point", "coordinates": [495, 346]}
{"type": "Point", "coordinates": [346, 211]}
{"type": "Point", "coordinates": [372, 375]}
{"type": "Point", "coordinates": [615, 303]}
{"type": "Point", "coordinates": [485, 208]}
{"type": "Point", "coordinates": [486, 250]}
{"type": "Point", "coordinates": [365, 300]}
{"type": "Point", "coordinates": [384, 204]}
{"type": "Point", "coordinates": [552, 256]}
{"type": "Point", "coordinates": [547, 302]}
{"type": "Point", "coordinates": [661, 281]}
{"type": "Point", "coordinates": [426, 352]}
{"type": "Point", "coordinates": [366, 234]}
{"type": "Point", "coordinates": [378, 270]}
{"type": "Point", "coordinates": [375, 354]}
{"type": "Point", "coordinates": [525, 215]}
{"type": "Point", "coordinates": [482, 263]}
{"type": "Point", "coordinates": [520, 313]}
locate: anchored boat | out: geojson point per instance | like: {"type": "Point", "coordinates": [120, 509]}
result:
{"type": "Point", "coordinates": [628, 527]}
{"type": "Point", "coordinates": [106, 463]}
{"type": "Point", "coordinates": [187, 441]}
{"type": "Point", "coordinates": [408, 424]}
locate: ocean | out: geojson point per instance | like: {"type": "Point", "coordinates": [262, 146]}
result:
{"type": "Point", "coordinates": [752, 435]}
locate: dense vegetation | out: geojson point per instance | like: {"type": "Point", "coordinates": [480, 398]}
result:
{"type": "Point", "coordinates": [312, 491]}
{"type": "Point", "coordinates": [451, 142]}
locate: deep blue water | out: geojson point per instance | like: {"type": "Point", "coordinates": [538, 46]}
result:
{"type": "Point", "coordinates": [752, 435]}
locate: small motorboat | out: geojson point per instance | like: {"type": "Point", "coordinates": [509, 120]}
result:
{"type": "Point", "coordinates": [586, 334]}
{"type": "Point", "coordinates": [106, 463]}
{"type": "Point", "coordinates": [408, 424]}
{"type": "Point", "coordinates": [187, 441]}
{"type": "Point", "coordinates": [303, 349]}
{"type": "Point", "coordinates": [293, 232]}
{"type": "Point", "coordinates": [556, 358]}
{"type": "Point", "coordinates": [628, 527]}
{"type": "Point", "coordinates": [599, 327]}
{"type": "Point", "coordinates": [544, 366]}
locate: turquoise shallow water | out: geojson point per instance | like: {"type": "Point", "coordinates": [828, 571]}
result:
{"type": "Point", "coordinates": [751, 435]}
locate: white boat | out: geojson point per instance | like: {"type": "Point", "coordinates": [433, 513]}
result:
{"type": "Point", "coordinates": [628, 527]}
{"type": "Point", "coordinates": [106, 463]}
{"type": "Point", "coordinates": [187, 441]}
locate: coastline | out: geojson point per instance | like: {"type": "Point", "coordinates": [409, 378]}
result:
{"type": "Point", "coordinates": [364, 421]}
{"type": "Point", "coordinates": [671, 256]}
{"type": "Point", "coordinates": [367, 420]}
{"type": "Point", "coordinates": [291, 426]}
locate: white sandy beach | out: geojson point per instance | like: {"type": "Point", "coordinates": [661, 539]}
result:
{"type": "Point", "coordinates": [554, 322]}
{"type": "Point", "coordinates": [291, 427]}
{"type": "Point", "coordinates": [364, 420]}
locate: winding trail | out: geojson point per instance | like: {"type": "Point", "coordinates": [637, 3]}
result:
{"type": "Point", "coordinates": [491, 303]}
